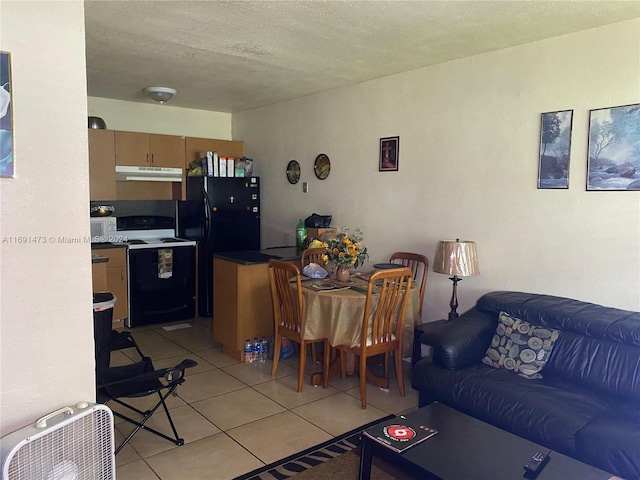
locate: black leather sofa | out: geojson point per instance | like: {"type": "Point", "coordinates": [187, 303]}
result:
{"type": "Point", "coordinates": [587, 403]}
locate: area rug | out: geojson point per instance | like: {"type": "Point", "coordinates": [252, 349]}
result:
{"type": "Point", "coordinates": [321, 461]}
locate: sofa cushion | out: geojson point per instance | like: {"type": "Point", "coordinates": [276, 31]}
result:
{"type": "Point", "coordinates": [548, 411]}
{"type": "Point", "coordinates": [520, 347]}
{"type": "Point", "coordinates": [589, 319]}
{"type": "Point", "coordinates": [607, 366]}
{"type": "Point", "coordinates": [613, 438]}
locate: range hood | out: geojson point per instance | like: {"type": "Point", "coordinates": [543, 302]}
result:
{"type": "Point", "coordinates": [148, 174]}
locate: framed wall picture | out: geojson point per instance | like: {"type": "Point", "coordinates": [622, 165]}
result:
{"type": "Point", "coordinates": [555, 149]}
{"type": "Point", "coordinates": [614, 148]}
{"type": "Point", "coordinates": [389, 148]}
{"type": "Point", "coordinates": [7, 165]}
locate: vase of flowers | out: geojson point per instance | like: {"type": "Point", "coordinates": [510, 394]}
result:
{"type": "Point", "coordinates": [345, 252]}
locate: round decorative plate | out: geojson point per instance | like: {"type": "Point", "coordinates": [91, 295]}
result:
{"type": "Point", "coordinates": [322, 166]}
{"type": "Point", "coordinates": [293, 171]}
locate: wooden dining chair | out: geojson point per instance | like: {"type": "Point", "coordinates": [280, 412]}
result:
{"type": "Point", "coordinates": [419, 265]}
{"type": "Point", "coordinates": [288, 307]}
{"type": "Point", "coordinates": [313, 255]}
{"type": "Point", "coordinates": [382, 324]}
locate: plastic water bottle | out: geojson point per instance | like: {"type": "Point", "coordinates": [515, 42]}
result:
{"type": "Point", "coordinates": [264, 348]}
{"type": "Point", "coordinates": [248, 351]}
{"type": "Point", "coordinates": [256, 350]}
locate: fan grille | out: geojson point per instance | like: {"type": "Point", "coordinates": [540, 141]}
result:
{"type": "Point", "coordinates": [80, 449]}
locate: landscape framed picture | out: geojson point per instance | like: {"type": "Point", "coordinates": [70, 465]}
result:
{"type": "Point", "coordinates": [389, 148]}
{"type": "Point", "coordinates": [614, 148]}
{"type": "Point", "coordinates": [7, 165]}
{"type": "Point", "coordinates": [555, 149]}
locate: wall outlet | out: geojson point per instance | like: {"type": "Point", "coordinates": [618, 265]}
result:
{"type": "Point", "coordinates": [305, 187]}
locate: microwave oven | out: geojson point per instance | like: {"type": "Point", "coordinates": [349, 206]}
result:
{"type": "Point", "coordinates": [103, 229]}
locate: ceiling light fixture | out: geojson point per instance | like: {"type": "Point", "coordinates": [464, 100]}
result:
{"type": "Point", "coordinates": [160, 94]}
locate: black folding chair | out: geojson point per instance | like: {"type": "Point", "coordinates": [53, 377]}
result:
{"type": "Point", "coordinates": [141, 379]}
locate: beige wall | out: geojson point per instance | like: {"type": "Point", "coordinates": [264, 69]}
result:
{"type": "Point", "coordinates": [46, 341]}
{"type": "Point", "coordinates": [156, 118]}
{"type": "Point", "coordinates": [469, 145]}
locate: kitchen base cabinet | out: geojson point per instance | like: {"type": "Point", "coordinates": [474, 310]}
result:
{"type": "Point", "coordinates": [242, 306]}
{"type": "Point", "coordinates": [99, 276]}
{"type": "Point", "coordinates": [117, 282]}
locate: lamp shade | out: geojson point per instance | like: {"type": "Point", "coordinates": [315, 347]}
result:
{"type": "Point", "coordinates": [458, 258]}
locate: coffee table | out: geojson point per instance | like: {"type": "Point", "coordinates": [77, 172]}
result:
{"type": "Point", "coordinates": [466, 448]}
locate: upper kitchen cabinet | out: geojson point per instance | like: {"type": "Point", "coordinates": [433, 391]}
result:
{"type": "Point", "coordinates": [102, 165]}
{"type": "Point", "coordinates": [149, 150]}
{"type": "Point", "coordinates": [225, 148]}
{"type": "Point", "coordinates": [194, 146]}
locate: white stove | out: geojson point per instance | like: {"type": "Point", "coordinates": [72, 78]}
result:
{"type": "Point", "coordinates": [150, 232]}
{"type": "Point", "coordinates": [161, 270]}
{"type": "Point", "coordinates": [161, 238]}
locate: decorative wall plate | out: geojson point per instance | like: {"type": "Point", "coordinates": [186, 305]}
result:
{"type": "Point", "coordinates": [322, 166]}
{"type": "Point", "coordinates": [293, 171]}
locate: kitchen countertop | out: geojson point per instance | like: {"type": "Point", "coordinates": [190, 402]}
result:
{"type": "Point", "coordinates": [99, 246]}
{"type": "Point", "coordinates": [253, 257]}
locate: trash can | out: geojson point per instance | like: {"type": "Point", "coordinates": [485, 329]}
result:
{"type": "Point", "coordinates": [103, 303]}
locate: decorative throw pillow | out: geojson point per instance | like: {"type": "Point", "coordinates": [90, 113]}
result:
{"type": "Point", "coordinates": [520, 347]}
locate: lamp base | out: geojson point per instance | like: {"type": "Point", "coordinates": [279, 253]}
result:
{"type": "Point", "coordinates": [454, 298]}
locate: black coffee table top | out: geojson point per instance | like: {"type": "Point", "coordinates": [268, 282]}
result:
{"type": "Point", "coordinates": [467, 449]}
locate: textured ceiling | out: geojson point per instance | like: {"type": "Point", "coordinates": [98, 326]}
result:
{"type": "Point", "coordinates": [230, 56]}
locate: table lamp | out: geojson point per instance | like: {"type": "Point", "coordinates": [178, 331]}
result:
{"type": "Point", "coordinates": [458, 258]}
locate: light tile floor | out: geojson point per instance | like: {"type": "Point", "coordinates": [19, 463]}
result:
{"type": "Point", "coordinates": [235, 417]}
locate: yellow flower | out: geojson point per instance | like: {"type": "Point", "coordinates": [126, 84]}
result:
{"type": "Point", "coordinates": [345, 250]}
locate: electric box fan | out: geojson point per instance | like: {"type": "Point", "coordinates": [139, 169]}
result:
{"type": "Point", "coordinates": [68, 444]}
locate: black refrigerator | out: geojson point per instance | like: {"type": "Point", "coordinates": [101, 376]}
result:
{"type": "Point", "coordinates": [223, 215]}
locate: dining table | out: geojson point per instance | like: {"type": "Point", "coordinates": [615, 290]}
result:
{"type": "Point", "coordinates": [335, 311]}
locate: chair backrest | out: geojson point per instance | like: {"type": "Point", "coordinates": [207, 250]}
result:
{"type": "Point", "coordinates": [287, 302]}
{"type": "Point", "coordinates": [386, 325]}
{"type": "Point", "coordinates": [419, 265]}
{"type": "Point", "coordinates": [313, 255]}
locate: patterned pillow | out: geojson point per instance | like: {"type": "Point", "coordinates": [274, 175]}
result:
{"type": "Point", "coordinates": [520, 347]}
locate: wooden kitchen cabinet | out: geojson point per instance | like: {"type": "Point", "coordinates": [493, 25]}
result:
{"type": "Point", "coordinates": [166, 150]}
{"type": "Point", "coordinates": [99, 276]}
{"type": "Point", "coordinates": [225, 148]}
{"type": "Point", "coordinates": [194, 146]}
{"type": "Point", "coordinates": [102, 165]}
{"type": "Point", "coordinates": [149, 150]}
{"type": "Point", "coordinates": [242, 305]}
{"type": "Point", "coordinates": [117, 282]}
{"type": "Point", "coordinates": [108, 148]}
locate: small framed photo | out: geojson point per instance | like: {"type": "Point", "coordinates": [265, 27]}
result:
{"type": "Point", "coordinates": [555, 149]}
{"type": "Point", "coordinates": [7, 165]}
{"type": "Point", "coordinates": [614, 148]}
{"type": "Point", "coordinates": [389, 148]}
